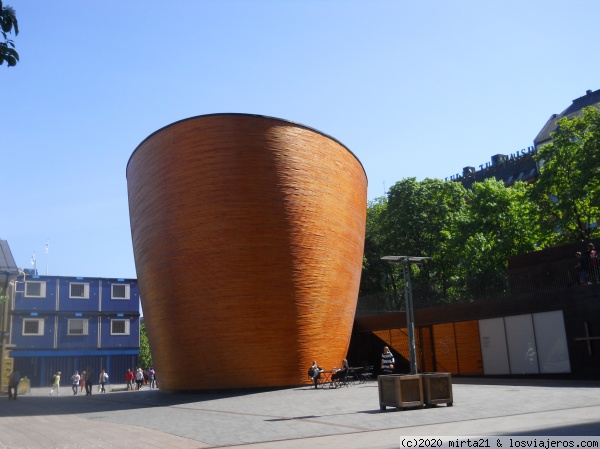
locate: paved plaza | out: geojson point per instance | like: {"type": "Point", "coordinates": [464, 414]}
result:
{"type": "Point", "coordinates": [299, 417]}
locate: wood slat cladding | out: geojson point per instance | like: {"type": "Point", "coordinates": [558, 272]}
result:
{"type": "Point", "coordinates": [445, 348]}
{"type": "Point", "coordinates": [448, 347]}
{"type": "Point", "coordinates": [468, 348]}
{"type": "Point", "coordinates": [248, 237]}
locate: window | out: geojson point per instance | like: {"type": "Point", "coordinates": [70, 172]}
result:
{"type": "Point", "coordinates": [35, 289]}
{"type": "Point", "coordinates": [77, 327]}
{"type": "Point", "coordinates": [119, 327]}
{"type": "Point", "coordinates": [119, 291]}
{"type": "Point", "coordinates": [33, 326]}
{"type": "Point", "coordinates": [79, 290]}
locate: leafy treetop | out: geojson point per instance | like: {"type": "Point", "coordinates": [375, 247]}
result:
{"type": "Point", "coordinates": [8, 24]}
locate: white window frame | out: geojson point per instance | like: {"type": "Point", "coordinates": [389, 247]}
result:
{"type": "Point", "coordinates": [40, 331]}
{"type": "Point", "coordinates": [118, 298]}
{"type": "Point", "coordinates": [85, 330]}
{"type": "Point", "coordinates": [86, 290]}
{"type": "Point", "coordinates": [127, 326]}
{"type": "Point", "coordinates": [42, 289]}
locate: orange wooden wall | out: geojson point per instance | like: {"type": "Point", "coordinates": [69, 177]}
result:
{"type": "Point", "coordinates": [447, 347]}
{"type": "Point", "coordinates": [248, 237]}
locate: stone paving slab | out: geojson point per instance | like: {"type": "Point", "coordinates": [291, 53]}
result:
{"type": "Point", "coordinates": [294, 417]}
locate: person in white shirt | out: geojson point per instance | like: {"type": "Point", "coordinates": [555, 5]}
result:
{"type": "Point", "coordinates": [387, 361]}
{"type": "Point", "coordinates": [103, 380]}
{"type": "Point", "coordinates": [75, 378]}
{"type": "Point", "coordinates": [139, 378]}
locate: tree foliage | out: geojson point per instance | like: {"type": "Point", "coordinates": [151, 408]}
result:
{"type": "Point", "coordinates": [499, 222]}
{"type": "Point", "coordinates": [145, 358]}
{"type": "Point", "coordinates": [568, 189]}
{"type": "Point", "coordinates": [375, 271]}
{"type": "Point", "coordinates": [416, 219]}
{"type": "Point", "coordinates": [8, 24]}
{"type": "Point", "coordinates": [469, 236]}
{"type": "Point", "coordinates": [423, 215]}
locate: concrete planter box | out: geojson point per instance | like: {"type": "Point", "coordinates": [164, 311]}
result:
{"type": "Point", "coordinates": [437, 389]}
{"type": "Point", "coordinates": [400, 391]}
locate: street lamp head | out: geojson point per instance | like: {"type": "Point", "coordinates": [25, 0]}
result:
{"type": "Point", "coordinates": [405, 259]}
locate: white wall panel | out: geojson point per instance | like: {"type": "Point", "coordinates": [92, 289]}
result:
{"type": "Point", "coordinates": [522, 350]}
{"type": "Point", "coordinates": [493, 346]}
{"type": "Point", "coordinates": [551, 338]}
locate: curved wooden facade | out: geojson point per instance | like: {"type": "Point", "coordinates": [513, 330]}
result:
{"type": "Point", "coordinates": [248, 235]}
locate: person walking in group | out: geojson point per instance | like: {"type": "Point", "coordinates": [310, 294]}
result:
{"type": "Point", "coordinates": [13, 384]}
{"type": "Point", "coordinates": [103, 380]}
{"type": "Point", "coordinates": [75, 378]}
{"type": "Point", "coordinates": [89, 382]}
{"type": "Point", "coordinates": [56, 383]}
{"type": "Point", "coordinates": [82, 382]}
{"type": "Point", "coordinates": [129, 377]}
{"type": "Point", "coordinates": [151, 378]}
{"type": "Point", "coordinates": [139, 378]}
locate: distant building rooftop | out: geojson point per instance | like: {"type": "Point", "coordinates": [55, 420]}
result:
{"type": "Point", "coordinates": [7, 262]}
{"type": "Point", "coordinates": [574, 110]}
{"type": "Point", "coordinates": [508, 168]}
{"type": "Point", "coordinates": [521, 166]}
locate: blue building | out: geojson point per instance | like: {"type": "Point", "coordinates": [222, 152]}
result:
{"type": "Point", "coordinates": [61, 323]}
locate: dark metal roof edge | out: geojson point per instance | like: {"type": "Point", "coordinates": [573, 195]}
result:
{"type": "Point", "coordinates": [7, 261]}
{"type": "Point", "coordinates": [248, 115]}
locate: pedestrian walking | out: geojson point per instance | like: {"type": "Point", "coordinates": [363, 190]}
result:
{"type": "Point", "coordinates": [129, 378]}
{"type": "Point", "coordinates": [82, 382]}
{"type": "Point", "coordinates": [152, 378]}
{"type": "Point", "coordinates": [56, 383]}
{"type": "Point", "coordinates": [13, 384]}
{"type": "Point", "coordinates": [103, 380]}
{"type": "Point", "coordinates": [75, 378]}
{"type": "Point", "coordinates": [139, 378]}
{"type": "Point", "coordinates": [89, 382]}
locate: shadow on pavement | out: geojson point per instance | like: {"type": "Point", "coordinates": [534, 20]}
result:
{"type": "Point", "coordinates": [67, 403]}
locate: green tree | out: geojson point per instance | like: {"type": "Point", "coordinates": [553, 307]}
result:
{"type": "Point", "coordinates": [499, 222]}
{"type": "Point", "coordinates": [8, 24]}
{"type": "Point", "coordinates": [419, 221]}
{"type": "Point", "coordinates": [373, 274]}
{"type": "Point", "coordinates": [468, 236]}
{"type": "Point", "coordinates": [568, 188]}
{"type": "Point", "coordinates": [145, 359]}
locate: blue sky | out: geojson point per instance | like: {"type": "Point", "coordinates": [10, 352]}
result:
{"type": "Point", "coordinates": [413, 89]}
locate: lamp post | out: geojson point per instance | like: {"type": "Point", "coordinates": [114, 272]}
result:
{"type": "Point", "coordinates": [406, 261]}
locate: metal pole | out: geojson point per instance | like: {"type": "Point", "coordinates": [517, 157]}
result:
{"type": "Point", "coordinates": [410, 319]}
{"type": "Point", "coordinates": [3, 333]}
{"type": "Point", "coordinates": [406, 261]}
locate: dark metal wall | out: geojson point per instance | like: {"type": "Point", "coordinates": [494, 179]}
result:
{"type": "Point", "coordinates": [41, 369]}
{"type": "Point", "coordinates": [580, 306]}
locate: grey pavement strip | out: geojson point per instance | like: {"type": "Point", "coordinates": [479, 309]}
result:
{"type": "Point", "coordinates": [294, 417]}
